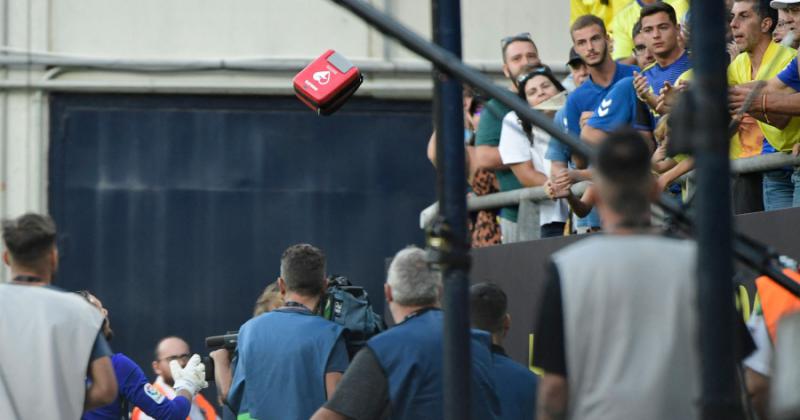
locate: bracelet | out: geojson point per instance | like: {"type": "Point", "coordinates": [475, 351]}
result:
{"type": "Point", "coordinates": [764, 108]}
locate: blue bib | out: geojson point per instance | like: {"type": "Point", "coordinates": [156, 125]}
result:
{"type": "Point", "coordinates": [516, 387]}
{"type": "Point", "coordinates": [411, 355]}
{"type": "Point", "coordinates": [280, 372]}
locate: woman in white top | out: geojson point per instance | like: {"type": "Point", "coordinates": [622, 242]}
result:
{"type": "Point", "coordinates": [523, 147]}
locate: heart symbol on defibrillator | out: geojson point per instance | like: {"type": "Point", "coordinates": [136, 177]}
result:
{"type": "Point", "coordinates": [322, 77]}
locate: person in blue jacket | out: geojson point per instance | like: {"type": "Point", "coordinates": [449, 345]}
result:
{"type": "Point", "coordinates": [136, 391]}
{"type": "Point", "coordinates": [399, 374]}
{"type": "Point", "coordinates": [515, 384]}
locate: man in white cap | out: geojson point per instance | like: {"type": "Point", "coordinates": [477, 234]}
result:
{"type": "Point", "coordinates": [789, 17]}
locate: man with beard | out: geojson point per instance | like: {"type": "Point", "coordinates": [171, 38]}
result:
{"type": "Point", "coordinates": [520, 56]}
{"type": "Point", "coordinates": [591, 42]}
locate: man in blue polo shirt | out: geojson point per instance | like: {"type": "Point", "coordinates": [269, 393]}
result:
{"type": "Point", "coordinates": [591, 42]}
{"type": "Point", "coordinates": [661, 31]}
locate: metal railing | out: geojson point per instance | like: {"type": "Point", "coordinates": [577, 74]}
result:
{"type": "Point", "coordinates": [528, 198]}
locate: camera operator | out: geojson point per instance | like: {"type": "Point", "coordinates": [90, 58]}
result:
{"type": "Point", "coordinates": [288, 361]}
{"type": "Point", "coordinates": [400, 373]}
{"type": "Point", "coordinates": [51, 340]}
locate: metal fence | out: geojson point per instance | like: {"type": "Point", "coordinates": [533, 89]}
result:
{"type": "Point", "coordinates": [528, 199]}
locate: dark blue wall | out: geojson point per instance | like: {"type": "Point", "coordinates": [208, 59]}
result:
{"type": "Point", "coordinates": [174, 210]}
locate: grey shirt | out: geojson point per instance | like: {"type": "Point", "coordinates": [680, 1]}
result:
{"type": "Point", "coordinates": [363, 392]}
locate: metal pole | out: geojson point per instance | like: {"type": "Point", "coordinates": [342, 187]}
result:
{"type": "Point", "coordinates": [714, 227]}
{"type": "Point", "coordinates": [448, 106]}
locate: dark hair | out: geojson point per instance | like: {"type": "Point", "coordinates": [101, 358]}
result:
{"type": "Point", "coordinates": [488, 305]}
{"type": "Point", "coordinates": [659, 7]}
{"type": "Point", "coordinates": [29, 237]}
{"type": "Point", "coordinates": [523, 80]}
{"type": "Point", "coordinates": [108, 333]}
{"type": "Point", "coordinates": [516, 38]}
{"type": "Point", "coordinates": [303, 269]}
{"type": "Point", "coordinates": [623, 165]}
{"type": "Point", "coordinates": [586, 21]}
{"type": "Point", "coordinates": [637, 29]}
{"type": "Point", "coordinates": [764, 11]}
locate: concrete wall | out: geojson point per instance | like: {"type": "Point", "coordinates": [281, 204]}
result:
{"type": "Point", "coordinates": [275, 36]}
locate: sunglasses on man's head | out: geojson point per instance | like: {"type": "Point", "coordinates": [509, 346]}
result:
{"type": "Point", "coordinates": [535, 72]}
{"type": "Point", "coordinates": [522, 36]}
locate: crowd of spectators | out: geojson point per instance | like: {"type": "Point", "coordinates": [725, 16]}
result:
{"type": "Point", "coordinates": [629, 64]}
{"type": "Point", "coordinates": [611, 345]}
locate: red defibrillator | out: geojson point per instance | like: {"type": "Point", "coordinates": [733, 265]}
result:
{"type": "Point", "coordinates": [326, 83]}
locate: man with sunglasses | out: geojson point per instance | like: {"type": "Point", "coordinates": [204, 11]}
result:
{"type": "Point", "coordinates": [520, 55]}
{"type": "Point", "coordinates": [167, 350]}
{"type": "Point", "coordinates": [789, 15]}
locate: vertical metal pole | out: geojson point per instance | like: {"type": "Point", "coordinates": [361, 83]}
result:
{"type": "Point", "coordinates": [446, 20]}
{"type": "Point", "coordinates": [714, 215]}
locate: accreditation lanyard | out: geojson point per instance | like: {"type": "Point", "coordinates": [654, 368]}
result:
{"type": "Point", "coordinates": [296, 307]}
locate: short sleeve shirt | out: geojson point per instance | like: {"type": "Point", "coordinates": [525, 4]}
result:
{"type": "Point", "coordinates": [622, 108]}
{"type": "Point", "coordinates": [556, 150]}
{"type": "Point", "coordinates": [657, 75]}
{"type": "Point", "coordinates": [515, 147]}
{"type": "Point", "coordinates": [489, 135]}
{"type": "Point", "coordinates": [790, 77]}
{"type": "Point", "coordinates": [588, 96]}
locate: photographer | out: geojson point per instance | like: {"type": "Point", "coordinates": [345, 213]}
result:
{"type": "Point", "coordinates": [288, 361]}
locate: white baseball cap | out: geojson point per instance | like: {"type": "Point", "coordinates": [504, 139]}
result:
{"type": "Point", "coordinates": [782, 4]}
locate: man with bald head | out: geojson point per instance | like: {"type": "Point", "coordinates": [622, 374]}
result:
{"type": "Point", "coordinates": [167, 350]}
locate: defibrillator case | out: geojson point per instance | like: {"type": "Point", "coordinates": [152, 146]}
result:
{"type": "Point", "coordinates": [327, 83]}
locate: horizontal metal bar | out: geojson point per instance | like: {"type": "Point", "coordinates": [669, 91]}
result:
{"type": "Point", "coordinates": [416, 90]}
{"type": "Point", "coordinates": [498, 200]}
{"type": "Point", "coordinates": [21, 58]}
{"type": "Point", "coordinates": [753, 164]}
{"type": "Point", "coordinates": [763, 163]}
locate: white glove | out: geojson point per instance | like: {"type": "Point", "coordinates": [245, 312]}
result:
{"type": "Point", "coordinates": [191, 378]}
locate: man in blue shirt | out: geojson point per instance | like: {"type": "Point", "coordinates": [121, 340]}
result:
{"type": "Point", "coordinates": [289, 361]}
{"type": "Point", "coordinates": [399, 374]}
{"type": "Point", "coordinates": [661, 31]}
{"type": "Point", "coordinates": [620, 108]}
{"type": "Point", "coordinates": [515, 383]}
{"type": "Point", "coordinates": [591, 42]}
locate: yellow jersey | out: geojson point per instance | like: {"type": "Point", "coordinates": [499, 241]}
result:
{"type": "Point", "coordinates": [740, 71]}
{"type": "Point", "coordinates": [578, 8]}
{"type": "Point", "coordinates": [621, 27]}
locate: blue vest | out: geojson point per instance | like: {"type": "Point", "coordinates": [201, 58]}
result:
{"type": "Point", "coordinates": [516, 387]}
{"type": "Point", "coordinates": [282, 357]}
{"type": "Point", "coordinates": [411, 355]}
